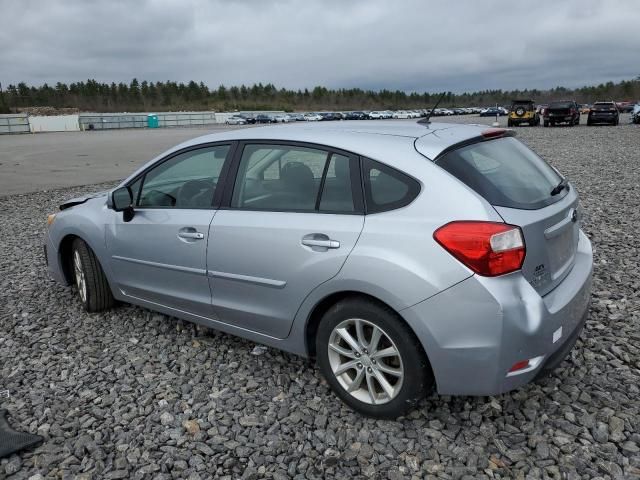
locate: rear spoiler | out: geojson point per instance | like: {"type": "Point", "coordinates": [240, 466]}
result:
{"type": "Point", "coordinates": [485, 135]}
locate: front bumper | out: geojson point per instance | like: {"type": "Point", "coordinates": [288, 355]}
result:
{"type": "Point", "coordinates": [53, 261]}
{"type": "Point", "coordinates": [476, 330]}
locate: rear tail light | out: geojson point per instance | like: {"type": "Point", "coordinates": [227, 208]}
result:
{"type": "Point", "coordinates": [488, 248]}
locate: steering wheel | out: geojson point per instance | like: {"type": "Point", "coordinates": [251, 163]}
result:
{"type": "Point", "coordinates": [195, 193]}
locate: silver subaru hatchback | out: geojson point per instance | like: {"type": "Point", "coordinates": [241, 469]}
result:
{"type": "Point", "coordinates": [404, 257]}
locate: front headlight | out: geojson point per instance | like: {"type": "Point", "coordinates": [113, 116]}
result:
{"type": "Point", "coordinates": [51, 218]}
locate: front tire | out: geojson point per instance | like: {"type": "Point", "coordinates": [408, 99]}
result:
{"type": "Point", "coordinates": [89, 277]}
{"type": "Point", "coordinates": [371, 359]}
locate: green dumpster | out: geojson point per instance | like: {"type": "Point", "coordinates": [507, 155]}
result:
{"type": "Point", "coordinates": [152, 120]}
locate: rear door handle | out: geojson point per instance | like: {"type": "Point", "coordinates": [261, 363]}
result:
{"type": "Point", "coordinates": [191, 235]}
{"type": "Point", "coordinates": [320, 240]}
{"type": "Point", "coordinates": [321, 243]}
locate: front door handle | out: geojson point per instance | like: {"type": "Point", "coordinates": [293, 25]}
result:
{"type": "Point", "coordinates": [190, 233]}
{"type": "Point", "coordinates": [319, 240]}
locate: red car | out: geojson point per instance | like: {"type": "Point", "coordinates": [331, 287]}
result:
{"type": "Point", "coordinates": [561, 112]}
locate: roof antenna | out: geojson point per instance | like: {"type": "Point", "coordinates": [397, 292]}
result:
{"type": "Point", "coordinates": [425, 120]}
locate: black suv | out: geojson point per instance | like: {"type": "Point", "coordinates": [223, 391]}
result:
{"type": "Point", "coordinates": [262, 118]}
{"type": "Point", "coordinates": [603, 112]}
{"type": "Point", "coordinates": [249, 118]}
{"type": "Point", "coordinates": [566, 111]}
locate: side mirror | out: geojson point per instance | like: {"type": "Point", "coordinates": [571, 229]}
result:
{"type": "Point", "coordinates": [122, 201]}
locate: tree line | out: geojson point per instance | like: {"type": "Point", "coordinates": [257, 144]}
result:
{"type": "Point", "coordinates": [137, 96]}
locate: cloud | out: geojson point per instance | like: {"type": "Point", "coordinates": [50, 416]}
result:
{"type": "Point", "coordinates": [410, 45]}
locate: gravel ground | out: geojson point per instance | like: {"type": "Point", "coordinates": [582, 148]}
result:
{"type": "Point", "coordinates": [134, 394]}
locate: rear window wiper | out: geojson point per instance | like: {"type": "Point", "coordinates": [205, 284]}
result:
{"type": "Point", "coordinates": [564, 183]}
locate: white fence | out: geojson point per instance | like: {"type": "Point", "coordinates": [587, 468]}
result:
{"type": "Point", "coordinates": [23, 123]}
{"type": "Point", "coordinates": [58, 123]}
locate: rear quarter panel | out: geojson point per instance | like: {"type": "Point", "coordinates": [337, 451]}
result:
{"type": "Point", "coordinates": [396, 259]}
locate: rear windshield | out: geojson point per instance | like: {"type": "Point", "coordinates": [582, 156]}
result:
{"type": "Point", "coordinates": [505, 172]}
{"type": "Point", "coordinates": [561, 105]}
{"type": "Point", "coordinates": [603, 104]}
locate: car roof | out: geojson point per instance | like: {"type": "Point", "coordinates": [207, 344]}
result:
{"type": "Point", "coordinates": [396, 143]}
{"type": "Point", "coordinates": [362, 137]}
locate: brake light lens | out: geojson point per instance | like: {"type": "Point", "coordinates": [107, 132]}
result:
{"type": "Point", "coordinates": [494, 132]}
{"type": "Point", "coordinates": [521, 365]}
{"type": "Point", "coordinates": [488, 248]}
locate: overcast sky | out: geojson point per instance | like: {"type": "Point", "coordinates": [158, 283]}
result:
{"type": "Point", "coordinates": [412, 45]}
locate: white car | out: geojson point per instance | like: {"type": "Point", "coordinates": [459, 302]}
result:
{"type": "Point", "coordinates": [413, 114]}
{"type": "Point", "coordinates": [282, 118]}
{"type": "Point", "coordinates": [312, 117]}
{"type": "Point", "coordinates": [375, 115]}
{"type": "Point", "coordinates": [235, 120]}
{"type": "Point", "coordinates": [401, 114]}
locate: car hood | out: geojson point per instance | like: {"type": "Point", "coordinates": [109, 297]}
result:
{"type": "Point", "coordinates": [79, 200]}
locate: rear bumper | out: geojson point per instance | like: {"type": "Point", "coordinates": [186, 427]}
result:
{"type": "Point", "coordinates": [518, 120]}
{"type": "Point", "coordinates": [559, 118]}
{"type": "Point", "coordinates": [603, 118]}
{"type": "Point", "coordinates": [475, 331]}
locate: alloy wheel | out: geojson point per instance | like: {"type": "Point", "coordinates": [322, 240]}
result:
{"type": "Point", "coordinates": [80, 277]}
{"type": "Point", "coordinates": [365, 361]}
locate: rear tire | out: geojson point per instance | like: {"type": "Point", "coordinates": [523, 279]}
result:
{"type": "Point", "coordinates": [89, 277]}
{"type": "Point", "coordinates": [382, 386]}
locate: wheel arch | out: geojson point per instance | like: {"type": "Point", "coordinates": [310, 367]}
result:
{"type": "Point", "coordinates": [65, 256]}
{"type": "Point", "coordinates": [65, 245]}
{"type": "Point", "coordinates": [323, 305]}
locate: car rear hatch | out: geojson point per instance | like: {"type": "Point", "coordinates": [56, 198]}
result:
{"type": "Point", "coordinates": [603, 109]}
{"type": "Point", "coordinates": [562, 109]}
{"type": "Point", "coordinates": [526, 192]}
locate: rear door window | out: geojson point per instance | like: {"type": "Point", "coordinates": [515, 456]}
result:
{"type": "Point", "coordinates": [505, 172]}
{"type": "Point", "coordinates": [295, 178]}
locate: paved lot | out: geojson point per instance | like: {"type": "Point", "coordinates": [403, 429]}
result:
{"type": "Point", "coordinates": [45, 161]}
{"type": "Point", "coordinates": [133, 394]}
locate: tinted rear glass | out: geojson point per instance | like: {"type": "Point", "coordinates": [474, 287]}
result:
{"type": "Point", "coordinates": [505, 172]}
{"type": "Point", "coordinates": [561, 105]}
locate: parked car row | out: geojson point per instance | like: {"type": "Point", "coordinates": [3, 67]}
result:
{"type": "Point", "coordinates": [565, 112]}
{"type": "Point", "coordinates": [248, 118]}
{"type": "Point", "coordinates": [520, 112]}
